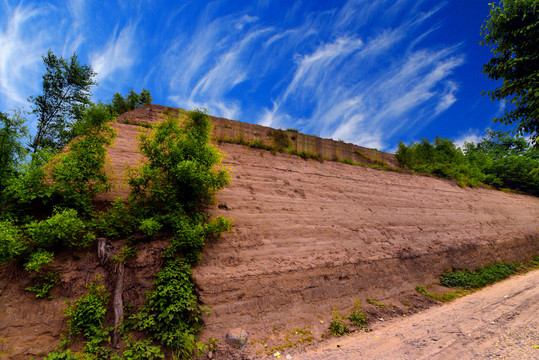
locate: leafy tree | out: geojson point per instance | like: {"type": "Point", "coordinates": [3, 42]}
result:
{"type": "Point", "coordinates": [513, 26]}
{"type": "Point", "coordinates": [12, 131]}
{"type": "Point", "coordinates": [120, 104]}
{"type": "Point", "coordinates": [66, 93]}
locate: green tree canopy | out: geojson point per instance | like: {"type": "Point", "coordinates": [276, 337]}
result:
{"type": "Point", "coordinates": [12, 131]}
{"type": "Point", "coordinates": [66, 93]}
{"type": "Point", "coordinates": [513, 28]}
{"type": "Point", "coordinates": [120, 104]}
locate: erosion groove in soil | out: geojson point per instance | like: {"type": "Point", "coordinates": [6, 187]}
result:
{"type": "Point", "coordinates": [309, 236]}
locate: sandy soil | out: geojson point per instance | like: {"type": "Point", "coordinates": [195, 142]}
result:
{"type": "Point", "coordinates": [499, 322]}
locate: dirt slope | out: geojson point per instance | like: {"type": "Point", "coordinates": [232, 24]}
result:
{"type": "Point", "coordinates": [310, 236]}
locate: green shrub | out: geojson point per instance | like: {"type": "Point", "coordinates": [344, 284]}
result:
{"type": "Point", "coordinates": [86, 314]}
{"type": "Point", "coordinates": [181, 171]}
{"type": "Point", "coordinates": [43, 283]}
{"type": "Point", "coordinates": [79, 173]}
{"type": "Point", "coordinates": [357, 316]}
{"type": "Point", "coordinates": [11, 241]}
{"type": "Point", "coordinates": [126, 253]}
{"type": "Point", "coordinates": [480, 277]}
{"type": "Point", "coordinates": [118, 221]}
{"type": "Point", "coordinates": [68, 355]}
{"type": "Point", "coordinates": [337, 325]}
{"type": "Point", "coordinates": [280, 139]}
{"type": "Point", "coordinates": [171, 314]}
{"type": "Point", "coordinates": [38, 259]}
{"type": "Point", "coordinates": [150, 227]}
{"type": "Point", "coordinates": [143, 350]}
{"type": "Point", "coordinates": [62, 228]}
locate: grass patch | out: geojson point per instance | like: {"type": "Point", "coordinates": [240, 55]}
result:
{"type": "Point", "coordinates": [466, 281]}
{"type": "Point", "coordinates": [444, 297]}
{"type": "Point", "coordinates": [376, 303]}
{"type": "Point", "coordinates": [479, 278]}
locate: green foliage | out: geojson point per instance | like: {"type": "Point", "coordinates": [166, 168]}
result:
{"type": "Point", "coordinates": [63, 227]}
{"type": "Point", "coordinates": [357, 316]}
{"type": "Point", "coordinates": [171, 314]}
{"type": "Point", "coordinates": [513, 27]}
{"type": "Point", "coordinates": [150, 227]}
{"type": "Point", "coordinates": [180, 172]}
{"type": "Point", "coordinates": [190, 235]}
{"type": "Point", "coordinates": [66, 93]}
{"type": "Point", "coordinates": [444, 297]}
{"type": "Point", "coordinates": [79, 174]}
{"type": "Point", "coordinates": [120, 104]}
{"type": "Point", "coordinates": [498, 160]}
{"type": "Point", "coordinates": [376, 303]}
{"type": "Point", "coordinates": [337, 325]}
{"type": "Point", "coordinates": [38, 259]}
{"type": "Point", "coordinates": [86, 315]}
{"type": "Point", "coordinates": [68, 355]}
{"type": "Point", "coordinates": [118, 221]}
{"type": "Point", "coordinates": [143, 350]}
{"type": "Point", "coordinates": [12, 151]}
{"type": "Point", "coordinates": [280, 139]}
{"type": "Point", "coordinates": [43, 283]}
{"type": "Point", "coordinates": [126, 253]}
{"type": "Point", "coordinates": [11, 241]}
{"type": "Point", "coordinates": [480, 277]}
{"type": "Point", "coordinates": [29, 190]}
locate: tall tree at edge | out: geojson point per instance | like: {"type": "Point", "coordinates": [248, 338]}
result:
{"type": "Point", "coordinates": [66, 93]}
{"type": "Point", "coordinates": [513, 27]}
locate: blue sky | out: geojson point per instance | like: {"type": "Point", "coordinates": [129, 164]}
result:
{"type": "Point", "coordinates": [371, 72]}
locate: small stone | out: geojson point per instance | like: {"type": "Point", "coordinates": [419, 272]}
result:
{"type": "Point", "coordinates": [237, 338]}
{"type": "Point", "coordinates": [435, 338]}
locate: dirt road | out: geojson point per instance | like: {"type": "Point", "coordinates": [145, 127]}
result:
{"type": "Point", "coordinates": [499, 322]}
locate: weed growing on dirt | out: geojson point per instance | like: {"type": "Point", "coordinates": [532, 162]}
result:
{"type": "Point", "coordinates": [376, 303]}
{"type": "Point", "coordinates": [357, 315]}
{"type": "Point", "coordinates": [337, 325]}
{"type": "Point", "coordinates": [86, 315]}
{"type": "Point", "coordinates": [444, 297]}
{"type": "Point", "coordinates": [43, 282]}
{"type": "Point", "coordinates": [126, 253]}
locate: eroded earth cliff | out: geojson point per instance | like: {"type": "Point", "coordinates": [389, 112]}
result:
{"type": "Point", "coordinates": [309, 237]}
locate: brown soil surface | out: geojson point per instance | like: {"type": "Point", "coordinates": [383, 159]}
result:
{"type": "Point", "coordinates": [499, 322]}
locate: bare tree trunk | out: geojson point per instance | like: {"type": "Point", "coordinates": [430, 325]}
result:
{"type": "Point", "coordinates": [118, 304]}
{"type": "Point", "coordinates": [102, 250]}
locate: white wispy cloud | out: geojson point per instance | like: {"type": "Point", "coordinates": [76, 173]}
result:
{"type": "Point", "coordinates": [360, 72]}
{"type": "Point", "coordinates": [354, 98]}
{"type": "Point", "coordinates": [117, 55]}
{"type": "Point", "coordinates": [20, 64]}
